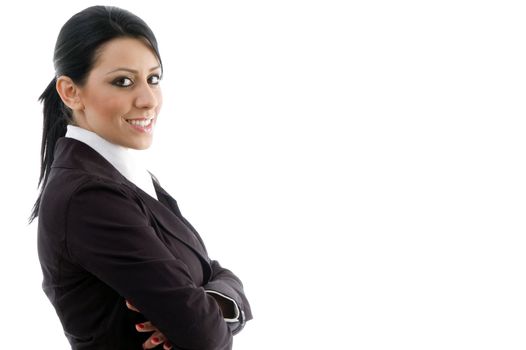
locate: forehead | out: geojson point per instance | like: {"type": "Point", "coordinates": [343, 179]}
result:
{"type": "Point", "coordinates": [126, 52]}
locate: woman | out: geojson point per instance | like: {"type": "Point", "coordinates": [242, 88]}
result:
{"type": "Point", "coordinates": [122, 267]}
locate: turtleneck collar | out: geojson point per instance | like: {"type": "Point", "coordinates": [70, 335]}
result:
{"type": "Point", "coordinates": [122, 158]}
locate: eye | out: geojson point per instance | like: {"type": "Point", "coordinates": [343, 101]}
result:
{"type": "Point", "coordinates": [123, 82]}
{"type": "Point", "coordinates": [154, 79]}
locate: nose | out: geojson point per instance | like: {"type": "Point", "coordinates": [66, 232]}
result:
{"type": "Point", "coordinates": [146, 97]}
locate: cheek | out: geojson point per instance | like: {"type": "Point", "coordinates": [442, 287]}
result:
{"type": "Point", "coordinates": [108, 106]}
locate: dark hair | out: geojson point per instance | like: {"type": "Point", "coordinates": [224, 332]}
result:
{"type": "Point", "coordinates": [76, 51]}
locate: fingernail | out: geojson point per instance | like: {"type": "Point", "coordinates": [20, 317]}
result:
{"type": "Point", "coordinates": [155, 340]}
{"type": "Point", "coordinates": [140, 325]}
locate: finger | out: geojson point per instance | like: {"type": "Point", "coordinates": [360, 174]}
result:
{"type": "Point", "coordinates": [131, 307]}
{"type": "Point", "coordinates": [167, 345]}
{"type": "Point", "coordinates": [145, 327]}
{"type": "Point", "coordinates": [156, 339]}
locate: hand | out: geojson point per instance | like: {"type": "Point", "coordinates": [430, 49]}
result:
{"type": "Point", "coordinates": [157, 338]}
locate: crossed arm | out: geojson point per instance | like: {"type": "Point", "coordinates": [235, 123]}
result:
{"type": "Point", "coordinates": [223, 280]}
{"type": "Point", "coordinates": [109, 235]}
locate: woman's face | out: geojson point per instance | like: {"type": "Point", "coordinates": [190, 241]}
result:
{"type": "Point", "coordinates": [122, 97]}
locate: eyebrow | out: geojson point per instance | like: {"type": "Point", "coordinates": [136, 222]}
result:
{"type": "Point", "coordinates": [132, 70]}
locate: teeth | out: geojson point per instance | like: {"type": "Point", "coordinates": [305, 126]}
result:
{"type": "Point", "coordinates": [142, 123]}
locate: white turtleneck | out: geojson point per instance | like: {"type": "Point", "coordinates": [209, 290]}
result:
{"type": "Point", "coordinates": [122, 158]}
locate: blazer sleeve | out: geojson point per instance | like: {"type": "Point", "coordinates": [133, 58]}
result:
{"type": "Point", "coordinates": [108, 234]}
{"type": "Point", "coordinates": [223, 282]}
{"type": "Point", "coordinates": [227, 285]}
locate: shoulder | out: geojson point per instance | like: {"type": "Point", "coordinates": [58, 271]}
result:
{"type": "Point", "coordinates": [67, 185]}
{"type": "Point", "coordinates": [70, 181]}
{"type": "Point", "coordinates": [90, 206]}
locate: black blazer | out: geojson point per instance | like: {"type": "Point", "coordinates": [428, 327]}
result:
{"type": "Point", "coordinates": [102, 240]}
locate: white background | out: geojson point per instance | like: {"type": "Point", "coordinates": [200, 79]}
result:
{"type": "Point", "coordinates": [360, 165]}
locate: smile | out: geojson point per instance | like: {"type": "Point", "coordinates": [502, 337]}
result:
{"type": "Point", "coordinates": [144, 125]}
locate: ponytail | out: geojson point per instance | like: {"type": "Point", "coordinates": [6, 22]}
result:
{"type": "Point", "coordinates": [55, 123]}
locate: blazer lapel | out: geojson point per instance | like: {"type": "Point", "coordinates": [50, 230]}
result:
{"type": "Point", "coordinates": [167, 214]}
{"type": "Point", "coordinates": [165, 198]}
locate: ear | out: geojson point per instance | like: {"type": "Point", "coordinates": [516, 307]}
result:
{"type": "Point", "coordinates": [69, 92]}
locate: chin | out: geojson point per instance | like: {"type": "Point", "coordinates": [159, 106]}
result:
{"type": "Point", "coordinates": [140, 144]}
